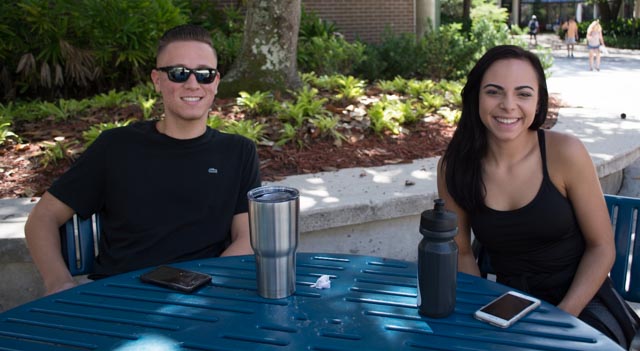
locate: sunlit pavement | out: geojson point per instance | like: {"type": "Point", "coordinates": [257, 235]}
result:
{"type": "Point", "coordinates": [613, 90]}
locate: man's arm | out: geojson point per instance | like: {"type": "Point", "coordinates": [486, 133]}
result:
{"type": "Point", "coordinates": [43, 240]}
{"type": "Point", "coordinates": [240, 241]}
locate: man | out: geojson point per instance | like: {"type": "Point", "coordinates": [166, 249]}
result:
{"type": "Point", "coordinates": [571, 34]}
{"type": "Point", "coordinates": [166, 190]}
{"type": "Point", "coordinates": [533, 29]}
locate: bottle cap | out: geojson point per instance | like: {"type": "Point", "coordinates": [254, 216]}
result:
{"type": "Point", "coordinates": [438, 220]}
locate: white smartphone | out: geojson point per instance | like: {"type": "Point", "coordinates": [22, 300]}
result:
{"type": "Point", "coordinates": [507, 309]}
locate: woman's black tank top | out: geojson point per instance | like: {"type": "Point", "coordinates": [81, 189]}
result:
{"type": "Point", "coordinates": [535, 248]}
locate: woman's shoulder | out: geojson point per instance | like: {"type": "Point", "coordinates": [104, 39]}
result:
{"type": "Point", "coordinates": [559, 139]}
{"type": "Point", "coordinates": [565, 148]}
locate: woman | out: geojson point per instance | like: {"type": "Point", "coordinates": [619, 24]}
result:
{"type": "Point", "coordinates": [531, 197]}
{"type": "Point", "coordinates": [594, 40]}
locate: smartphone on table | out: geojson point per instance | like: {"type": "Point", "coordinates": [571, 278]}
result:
{"type": "Point", "coordinates": [176, 278]}
{"type": "Point", "coordinates": [507, 309]}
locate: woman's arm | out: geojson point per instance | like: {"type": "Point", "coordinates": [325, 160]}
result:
{"type": "Point", "coordinates": [572, 163]}
{"type": "Point", "coordinates": [466, 259]}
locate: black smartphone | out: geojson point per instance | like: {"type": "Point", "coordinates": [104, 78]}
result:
{"type": "Point", "coordinates": [507, 309]}
{"type": "Point", "coordinates": [176, 278]}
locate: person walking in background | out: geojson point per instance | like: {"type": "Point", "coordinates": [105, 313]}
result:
{"type": "Point", "coordinates": [533, 29]}
{"type": "Point", "coordinates": [531, 196]}
{"type": "Point", "coordinates": [571, 34]}
{"type": "Point", "coordinates": [167, 190]}
{"type": "Point", "coordinates": [556, 24]}
{"type": "Point", "coordinates": [594, 41]}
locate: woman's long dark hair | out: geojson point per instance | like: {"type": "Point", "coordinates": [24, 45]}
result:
{"type": "Point", "coordinates": [462, 160]}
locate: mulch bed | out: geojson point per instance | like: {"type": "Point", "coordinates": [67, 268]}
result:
{"type": "Point", "coordinates": [22, 173]}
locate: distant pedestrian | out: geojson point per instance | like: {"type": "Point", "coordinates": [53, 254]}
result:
{"type": "Point", "coordinates": [556, 24]}
{"type": "Point", "coordinates": [534, 26]}
{"type": "Point", "coordinates": [594, 41]}
{"type": "Point", "coordinates": [571, 34]}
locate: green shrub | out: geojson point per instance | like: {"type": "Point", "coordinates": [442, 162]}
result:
{"type": "Point", "coordinates": [411, 111]}
{"type": "Point", "coordinates": [333, 55]}
{"type": "Point", "coordinates": [448, 54]}
{"type": "Point", "coordinates": [124, 46]}
{"type": "Point", "coordinates": [398, 84]}
{"type": "Point", "coordinates": [251, 130]}
{"type": "Point", "coordinates": [257, 104]}
{"type": "Point", "coordinates": [432, 102]}
{"type": "Point", "coordinates": [287, 134]}
{"type": "Point", "coordinates": [6, 133]}
{"type": "Point", "coordinates": [312, 26]}
{"type": "Point", "coordinates": [311, 105]}
{"type": "Point", "coordinates": [415, 88]}
{"type": "Point", "coordinates": [324, 82]}
{"type": "Point", "coordinates": [396, 55]}
{"type": "Point", "coordinates": [349, 88]}
{"type": "Point", "coordinates": [622, 33]}
{"type": "Point", "coordinates": [306, 106]}
{"type": "Point", "coordinates": [216, 122]}
{"type": "Point", "coordinates": [384, 115]}
{"type": "Point", "coordinates": [56, 151]}
{"type": "Point", "coordinates": [79, 47]}
{"type": "Point", "coordinates": [226, 27]}
{"type": "Point", "coordinates": [64, 109]}
{"type": "Point", "coordinates": [110, 99]}
{"type": "Point", "coordinates": [228, 47]}
{"type": "Point", "coordinates": [321, 49]}
{"type": "Point", "coordinates": [327, 126]}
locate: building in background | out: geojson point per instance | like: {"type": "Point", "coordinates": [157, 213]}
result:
{"type": "Point", "coordinates": [367, 20]}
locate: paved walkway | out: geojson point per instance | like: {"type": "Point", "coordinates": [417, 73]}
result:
{"type": "Point", "coordinates": [612, 92]}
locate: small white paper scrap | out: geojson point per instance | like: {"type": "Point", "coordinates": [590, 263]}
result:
{"type": "Point", "coordinates": [324, 282]}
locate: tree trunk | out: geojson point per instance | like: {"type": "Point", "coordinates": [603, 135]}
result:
{"type": "Point", "coordinates": [466, 15]}
{"type": "Point", "coordinates": [267, 60]}
{"type": "Point", "coordinates": [604, 11]}
{"type": "Point", "coordinates": [609, 11]}
{"type": "Point", "coordinates": [615, 9]}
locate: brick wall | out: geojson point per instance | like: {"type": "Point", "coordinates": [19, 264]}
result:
{"type": "Point", "coordinates": [363, 19]}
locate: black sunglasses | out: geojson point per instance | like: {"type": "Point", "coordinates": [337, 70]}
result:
{"type": "Point", "coordinates": [180, 74]}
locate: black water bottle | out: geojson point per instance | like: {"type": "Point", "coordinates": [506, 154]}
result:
{"type": "Point", "coordinates": [437, 262]}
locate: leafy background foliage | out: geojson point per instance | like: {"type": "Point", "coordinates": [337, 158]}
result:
{"type": "Point", "coordinates": [86, 63]}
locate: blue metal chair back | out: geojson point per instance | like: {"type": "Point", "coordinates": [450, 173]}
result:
{"type": "Point", "coordinates": [78, 241]}
{"type": "Point", "coordinates": [482, 258]}
{"type": "Point", "coordinates": [625, 218]}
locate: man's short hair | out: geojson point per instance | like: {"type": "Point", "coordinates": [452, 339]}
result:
{"type": "Point", "coordinates": [185, 32]}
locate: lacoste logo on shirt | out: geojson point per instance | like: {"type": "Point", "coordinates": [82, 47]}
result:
{"type": "Point", "coordinates": [212, 170]}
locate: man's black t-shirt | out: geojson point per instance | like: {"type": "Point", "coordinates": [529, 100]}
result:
{"type": "Point", "coordinates": [160, 199]}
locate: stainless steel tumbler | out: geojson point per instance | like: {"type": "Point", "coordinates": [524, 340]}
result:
{"type": "Point", "coordinates": [273, 223]}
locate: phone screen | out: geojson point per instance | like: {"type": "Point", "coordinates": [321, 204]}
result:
{"type": "Point", "coordinates": [176, 278]}
{"type": "Point", "coordinates": [507, 307]}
